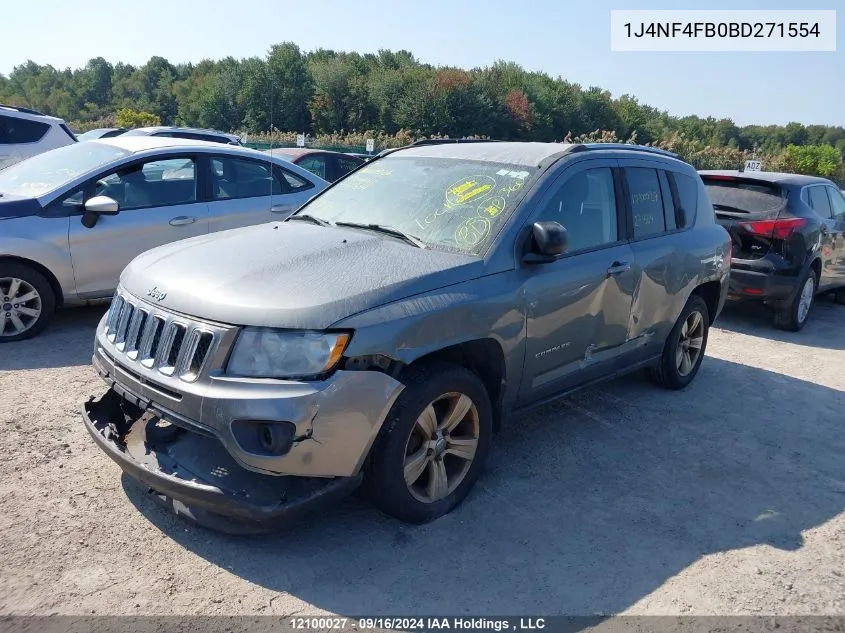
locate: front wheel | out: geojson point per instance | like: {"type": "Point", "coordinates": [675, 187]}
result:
{"type": "Point", "coordinates": [684, 348]}
{"type": "Point", "coordinates": [433, 446]}
{"type": "Point", "coordinates": [27, 302]}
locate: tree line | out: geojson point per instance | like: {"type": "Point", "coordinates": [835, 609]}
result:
{"type": "Point", "coordinates": [329, 92]}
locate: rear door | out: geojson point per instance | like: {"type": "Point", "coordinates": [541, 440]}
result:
{"type": "Point", "coordinates": [818, 200]}
{"type": "Point", "coordinates": [245, 191]}
{"type": "Point", "coordinates": [158, 202]}
{"type": "Point", "coordinates": [837, 203]}
{"type": "Point", "coordinates": [661, 206]}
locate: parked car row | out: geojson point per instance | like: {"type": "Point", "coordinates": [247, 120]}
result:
{"type": "Point", "coordinates": [376, 331]}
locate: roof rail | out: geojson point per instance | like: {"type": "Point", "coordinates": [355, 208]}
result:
{"type": "Point", "coordinates": [22, 109]}
{"type": "Point", "coordinates": [630, 147]}
{"type": "Point", "coordinates": [443, 141]}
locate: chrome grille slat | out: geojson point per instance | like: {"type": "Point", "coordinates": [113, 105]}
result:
{"type": "Point", "coordinates": [123, 324]}
{"type": "Point", "coordinates": [159, 340]}
{"type": "Point", "coordinates": [135, 329]}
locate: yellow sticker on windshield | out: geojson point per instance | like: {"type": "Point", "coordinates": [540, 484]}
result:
{"type": "Point", "coordinates": [472, 231]}
{"type": "Point", "coordinates": [492, 207]}
{"type": "Point", "coordinates": [472, 189]}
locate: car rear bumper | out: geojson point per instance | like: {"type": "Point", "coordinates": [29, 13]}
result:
{"type": "Point", "coordinates": [196, 477]}
{"type": "Point", "coordinates": [748, 285]}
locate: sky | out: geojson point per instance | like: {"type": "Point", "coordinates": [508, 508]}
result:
{"type": "Point", "coordinates": [563, 38]}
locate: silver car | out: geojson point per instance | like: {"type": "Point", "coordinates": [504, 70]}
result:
{"type": "Point", "coordinates": [72, 218]}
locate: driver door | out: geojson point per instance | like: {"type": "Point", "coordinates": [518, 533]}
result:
{"type": "Point", "coordinates": [578, 307]}
{"type": "Point", "coordinates": [158, 203]}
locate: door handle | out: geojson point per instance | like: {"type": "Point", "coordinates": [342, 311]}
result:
{"type": "Point", "coordinates": [281, 208]}
{"type": "Point", "coordinates": [617, 268]}
{"type": "Point", "coordinates": [182, 220]}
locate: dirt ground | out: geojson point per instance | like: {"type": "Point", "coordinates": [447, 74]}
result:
{"type": "Point", "coordinates": [726, 498]}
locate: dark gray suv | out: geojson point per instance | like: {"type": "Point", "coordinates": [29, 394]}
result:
{"type": "Point", "coordinates": [382, 333]}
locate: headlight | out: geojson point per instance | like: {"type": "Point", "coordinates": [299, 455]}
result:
{"type": "Point", "coordinates": [266, 353]}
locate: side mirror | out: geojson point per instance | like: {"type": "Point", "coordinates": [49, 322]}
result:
{"type": "Point", "coordinates": [548, 243]}
{"type": "Point", "coordinates": [102, 205]}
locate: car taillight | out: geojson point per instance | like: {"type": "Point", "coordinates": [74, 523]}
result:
{"type": "Point", "coordinates": [774, 229]}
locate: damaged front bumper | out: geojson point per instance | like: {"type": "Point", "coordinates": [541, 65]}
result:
{"type": "Point", "coordinates": [195, 476]}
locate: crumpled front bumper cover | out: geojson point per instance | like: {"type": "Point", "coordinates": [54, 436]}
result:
{"type": "Point", "coordinates": [194, 475]}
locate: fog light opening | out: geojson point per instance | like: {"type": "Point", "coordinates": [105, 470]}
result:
{"type": "Point", "coordinates": [273, 439]}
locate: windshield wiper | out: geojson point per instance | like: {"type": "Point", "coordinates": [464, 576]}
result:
{"type": "Point", "coordinates": [727, 207]}
{"type": "Point", "coordinates": [389, 230]}
{"type": "Point", "coordinates": [308, 218]}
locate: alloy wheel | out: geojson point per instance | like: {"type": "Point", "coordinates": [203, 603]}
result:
{"type": "Point", "coordinates": [690, 343]}
{"type": "Point", "coordinates": [805, 302]}
{"type": "Point", "coordinates": [441, 447]}
{"type": "Point", "coordinates": [20, 306]}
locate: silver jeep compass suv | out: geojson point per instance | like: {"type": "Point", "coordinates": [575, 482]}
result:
{"type": "Point", "coordinates": [381, 334]}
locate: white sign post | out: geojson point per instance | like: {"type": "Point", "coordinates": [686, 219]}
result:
{"type": "Point", "coordinates": [300, 140]}
{"type": "Point", "coordinates": [753, 165]}
{"type": "Point", "coordinates": [371, 145]}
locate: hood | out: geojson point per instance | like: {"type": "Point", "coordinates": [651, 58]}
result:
{"type": "Point", "coordinates": [12, 206]}
{"type": "Point", "coordinates": [290, 274]}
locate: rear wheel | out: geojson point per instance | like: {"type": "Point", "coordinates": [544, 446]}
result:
{"type": "Point", "coordinates": [794, 317]}
{"type": "Point", "coordinates": [434, 444]}
{"type": "Point", "coordinates": [684, 347]}
{"type": "Point", "coordinates": [27, 302]}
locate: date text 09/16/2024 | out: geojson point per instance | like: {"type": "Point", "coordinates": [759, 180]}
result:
{"type": "Point", "coordinates": [421, 624]}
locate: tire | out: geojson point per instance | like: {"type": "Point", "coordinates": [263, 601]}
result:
{"type": "Point", "coordinates": [681, 360]}
{"type": "Point", "coordinates": [19, 281]}
{"type": "Point", "coordinates": [443, 386]}
{"type": "Point", "coordinates": [795, 317]}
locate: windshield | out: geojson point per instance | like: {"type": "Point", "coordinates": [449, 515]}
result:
{"type": "Point", "coordinates": [444, 202]}
{"type": "Point", "coordinates": [743, 196]}
{"type": "Point", "coordinates": [47, 172]}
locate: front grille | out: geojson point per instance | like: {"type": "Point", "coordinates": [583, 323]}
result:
{"type": "Point", "coordinates": [169, 343]}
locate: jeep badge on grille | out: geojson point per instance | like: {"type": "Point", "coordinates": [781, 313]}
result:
{"type": "Point", "coordinates": [156, 294]}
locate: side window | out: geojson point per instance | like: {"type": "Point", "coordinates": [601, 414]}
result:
{"type": "Point", "coordinates": [4, 130]}
{"type": "Point", "coordinates": [345, 165]}
{"type": "Point", "coordinates": [586, 207]}
{"type": "Point", "coordinates": [805, 196]}
{"type": "Point", "coordinates": [155, 183]}
{"type": "Point", "coordinates": [819, 201]}
{"type": "Point", "coordinates": [646, 201]}
{"type": "Point", "coordinates": [289, 182]}
{"type": "Point", "coordinates": [316, 164]}
{"type": "Point", "coordinates": [669, 211]}
{"type": "Point", "coordinates": [24, 130]}
{"type": "Point", "coordinates": [235, 178]}
{"type": "Point", "coordinates": [837, 202]}
{"type": "Point", "coordinates": [687, 189]}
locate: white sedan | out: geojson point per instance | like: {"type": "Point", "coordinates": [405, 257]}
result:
{"type": "Point", "coordinates": [72, 218]}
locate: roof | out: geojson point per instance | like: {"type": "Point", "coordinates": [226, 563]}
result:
{"type": "Point", "coordinates": [767, 176]}
{"type": "Point", "coordinates": [527, 154]}
{"type": "Point", "coordinates": [292, 151]}
{"type": "Point", "coordinates": [174, 128]}
{"type": "Point", "coordinates": [142, 143]}
{"type": "Point", "coordinates": [23, 110]}
{"type": "Point", "coordinates": [509, 152]}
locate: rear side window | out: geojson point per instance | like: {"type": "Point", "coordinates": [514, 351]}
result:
{"type": "Point", "coordinates": [646, 202]}
{"type": "Point", "coordinates": [687, 202]}
{"type": "Point", "coordinates": [819, 201]}
{"type": "Point", "coordinates": [743, 196]}
{"type": "Point", "coordinates": [838, 203]}
{"type": "Point", "coordinates": [14, 130]}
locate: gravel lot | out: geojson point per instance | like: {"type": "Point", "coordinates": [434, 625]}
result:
{"type": "Point", "coordinates": [726, 498]}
